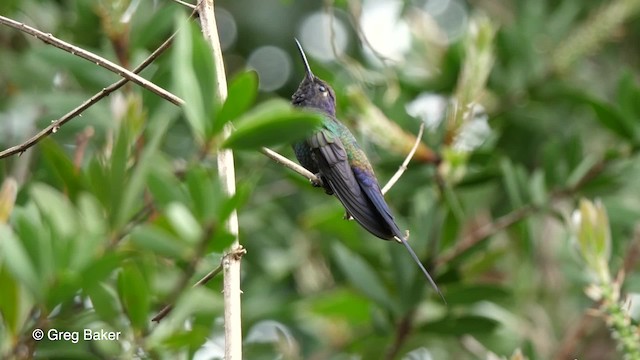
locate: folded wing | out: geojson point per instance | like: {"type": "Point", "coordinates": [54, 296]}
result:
{"type": "Point", "coordinates": [331, 156]}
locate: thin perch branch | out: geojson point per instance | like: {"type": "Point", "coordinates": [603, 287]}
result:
{"type": "Point", "coordinates": [98, 60]}
{"type": "Point", "coordinates": [289, 164]}
{"type": "Point", "coordinates": [404, 165]}
{"type": "Point", "coordinates": [184, 3]}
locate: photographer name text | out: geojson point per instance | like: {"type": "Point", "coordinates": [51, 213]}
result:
{"type": "Point", "coordinates": [75, 336]}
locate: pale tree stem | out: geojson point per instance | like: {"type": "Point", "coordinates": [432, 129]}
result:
{"type": "Point", "coordinates": [226, 172]}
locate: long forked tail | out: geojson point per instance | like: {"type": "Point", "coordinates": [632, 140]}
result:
{"type": "Point", "coordinates": [424, 271]}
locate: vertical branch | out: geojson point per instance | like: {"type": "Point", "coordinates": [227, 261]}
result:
{"type": "Point", "coordinates": [226, 171]}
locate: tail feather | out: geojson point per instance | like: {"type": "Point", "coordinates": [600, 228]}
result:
{"type": "Point", "coordinates": [424, 271]}
{"type": "Point", "coordinates": [375, 196]}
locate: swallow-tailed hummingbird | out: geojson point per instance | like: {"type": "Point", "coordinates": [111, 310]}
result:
{"type": "Point", "coordinates": [333, 154]}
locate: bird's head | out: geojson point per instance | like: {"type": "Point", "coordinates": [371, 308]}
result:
{"type": "Point", "coordinates": [313, 92]}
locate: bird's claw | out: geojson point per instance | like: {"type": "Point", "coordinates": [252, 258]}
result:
{"type": "Point", "coordinates": [317, 182]}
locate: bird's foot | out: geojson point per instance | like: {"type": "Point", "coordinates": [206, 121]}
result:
{"type": "Point", "coordinates": [347, 216]}
{"type": "Point", "coordinates": [406, 237]}
{"type": "Point", "coordinates": [320, 183]}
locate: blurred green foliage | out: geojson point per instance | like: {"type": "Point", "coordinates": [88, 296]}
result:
{"type": "Point", "coordinates": [120, 211]}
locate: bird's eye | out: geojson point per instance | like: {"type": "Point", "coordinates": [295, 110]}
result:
{"type": "Point", "coordinates": [321, 88]}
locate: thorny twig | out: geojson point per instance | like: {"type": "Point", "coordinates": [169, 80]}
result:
{"type": "Point", "coordinates": [55, 125]}
{"type": "Point", "coordinates": [98, 60]}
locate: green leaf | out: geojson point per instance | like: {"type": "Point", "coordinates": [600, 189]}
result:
{"type": "Point", "coordinates": [56, 210]}
{"type": "Point", "coordinates": [221, 241]}
{"type": "Point", "coordinates": [60, 164]}
{"type": "Point", "coordinates": [98, 179]}
{"type": "Point", "coordinates": [35, 238]}
{"type": "Point", "coordinates": [270, 123]}
{"type": "Point", "coordinates": [510, 178]}
{"type": "Point", "coordinates": [461, 294]}
{"type": "Point", "coordinates": [132, 190]}
{"type": "Point", "coordinates": [134, 294]}
{"type": "Point", "coordinates": [205, 193]}
{"type": "Point", "coordinates": [581, 170]}
{"type": "Point", "coordinates": [450, 229]}
{"type": "Point", "coordinates": [165, 187]}
{"type": "Point", "coordinates": [153, 238]}
{"type": "Point", "coordinates": [105, 302]}
{"type": "Point", "coordinates": [13, 304]}
{"type": "Point", "coordinates": [194, 74]}
{"type": "Point", "coordinates": [100, 269]}
{"type": "Point", "coordinates": [242, 93]}
{"type": "Point", "coordinates": [183, 222]}
{"type": "Point", "coordinates": [197, 300]}
{"type": "Point", "coordinates": [17, 261]}
{"type": "Point", "coordinates": [629, 96]}
{"type": "Point", "coordinates": [342, 304]}
{"type": "Point", "coordinates": [462, 325]}
{"type": "Point", "coordinates": [614, 120]}
{"type": "Point", "coordinates": [538, 188]}
{"type": "Point", "coordinates": [362, 276]}
{"type": "Point", "coordinates": [193, 338]}
{"type": "Point", "coordinates": [118, 172]}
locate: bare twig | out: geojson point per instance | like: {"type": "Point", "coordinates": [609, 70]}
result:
{"type": "Point", "coordinates": [98, 60]}
{"type": "Point", "coordinates": [55, 125]}
{"type": "Point", "coordinates": [289, 164]}
{"type": "Point", "coordinates": [404, 165]}
{"type": "Point", "coordinates": [403, 329]}
{"type": "Point", "coordinates": [184, 3]}
{"type": "Point", "coordinates": [485, 232]}
{"type": "Point", "coordinates": [632, 255]}
{"type": "Point", "coordinates": [226, 172]}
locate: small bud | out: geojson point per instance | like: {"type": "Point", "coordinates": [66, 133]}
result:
{"type": "Point", "coordinates": [591, 227]}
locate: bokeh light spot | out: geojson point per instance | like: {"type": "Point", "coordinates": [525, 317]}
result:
{"type": "Point", "coordinates": [385, 30]}
{"type": "Point", "coordinates": [316, 37]}
{"type": "Point", "coordinates": [273, 66]}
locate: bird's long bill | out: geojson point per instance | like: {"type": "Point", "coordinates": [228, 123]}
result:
{"type": "Point", "coordinates": [304, 59]}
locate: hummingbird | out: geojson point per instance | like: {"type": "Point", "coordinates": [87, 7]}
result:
{"type": "Point", "coordinates": [333, 154]}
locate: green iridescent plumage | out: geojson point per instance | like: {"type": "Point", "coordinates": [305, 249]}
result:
{"type": "Point", "coordinates": [334, 155]}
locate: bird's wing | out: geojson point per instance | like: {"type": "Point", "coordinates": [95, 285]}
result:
{"type": "Point", "coordinates": [331, 156]}
{"type": "Point", "coordinates": [371, 189]}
